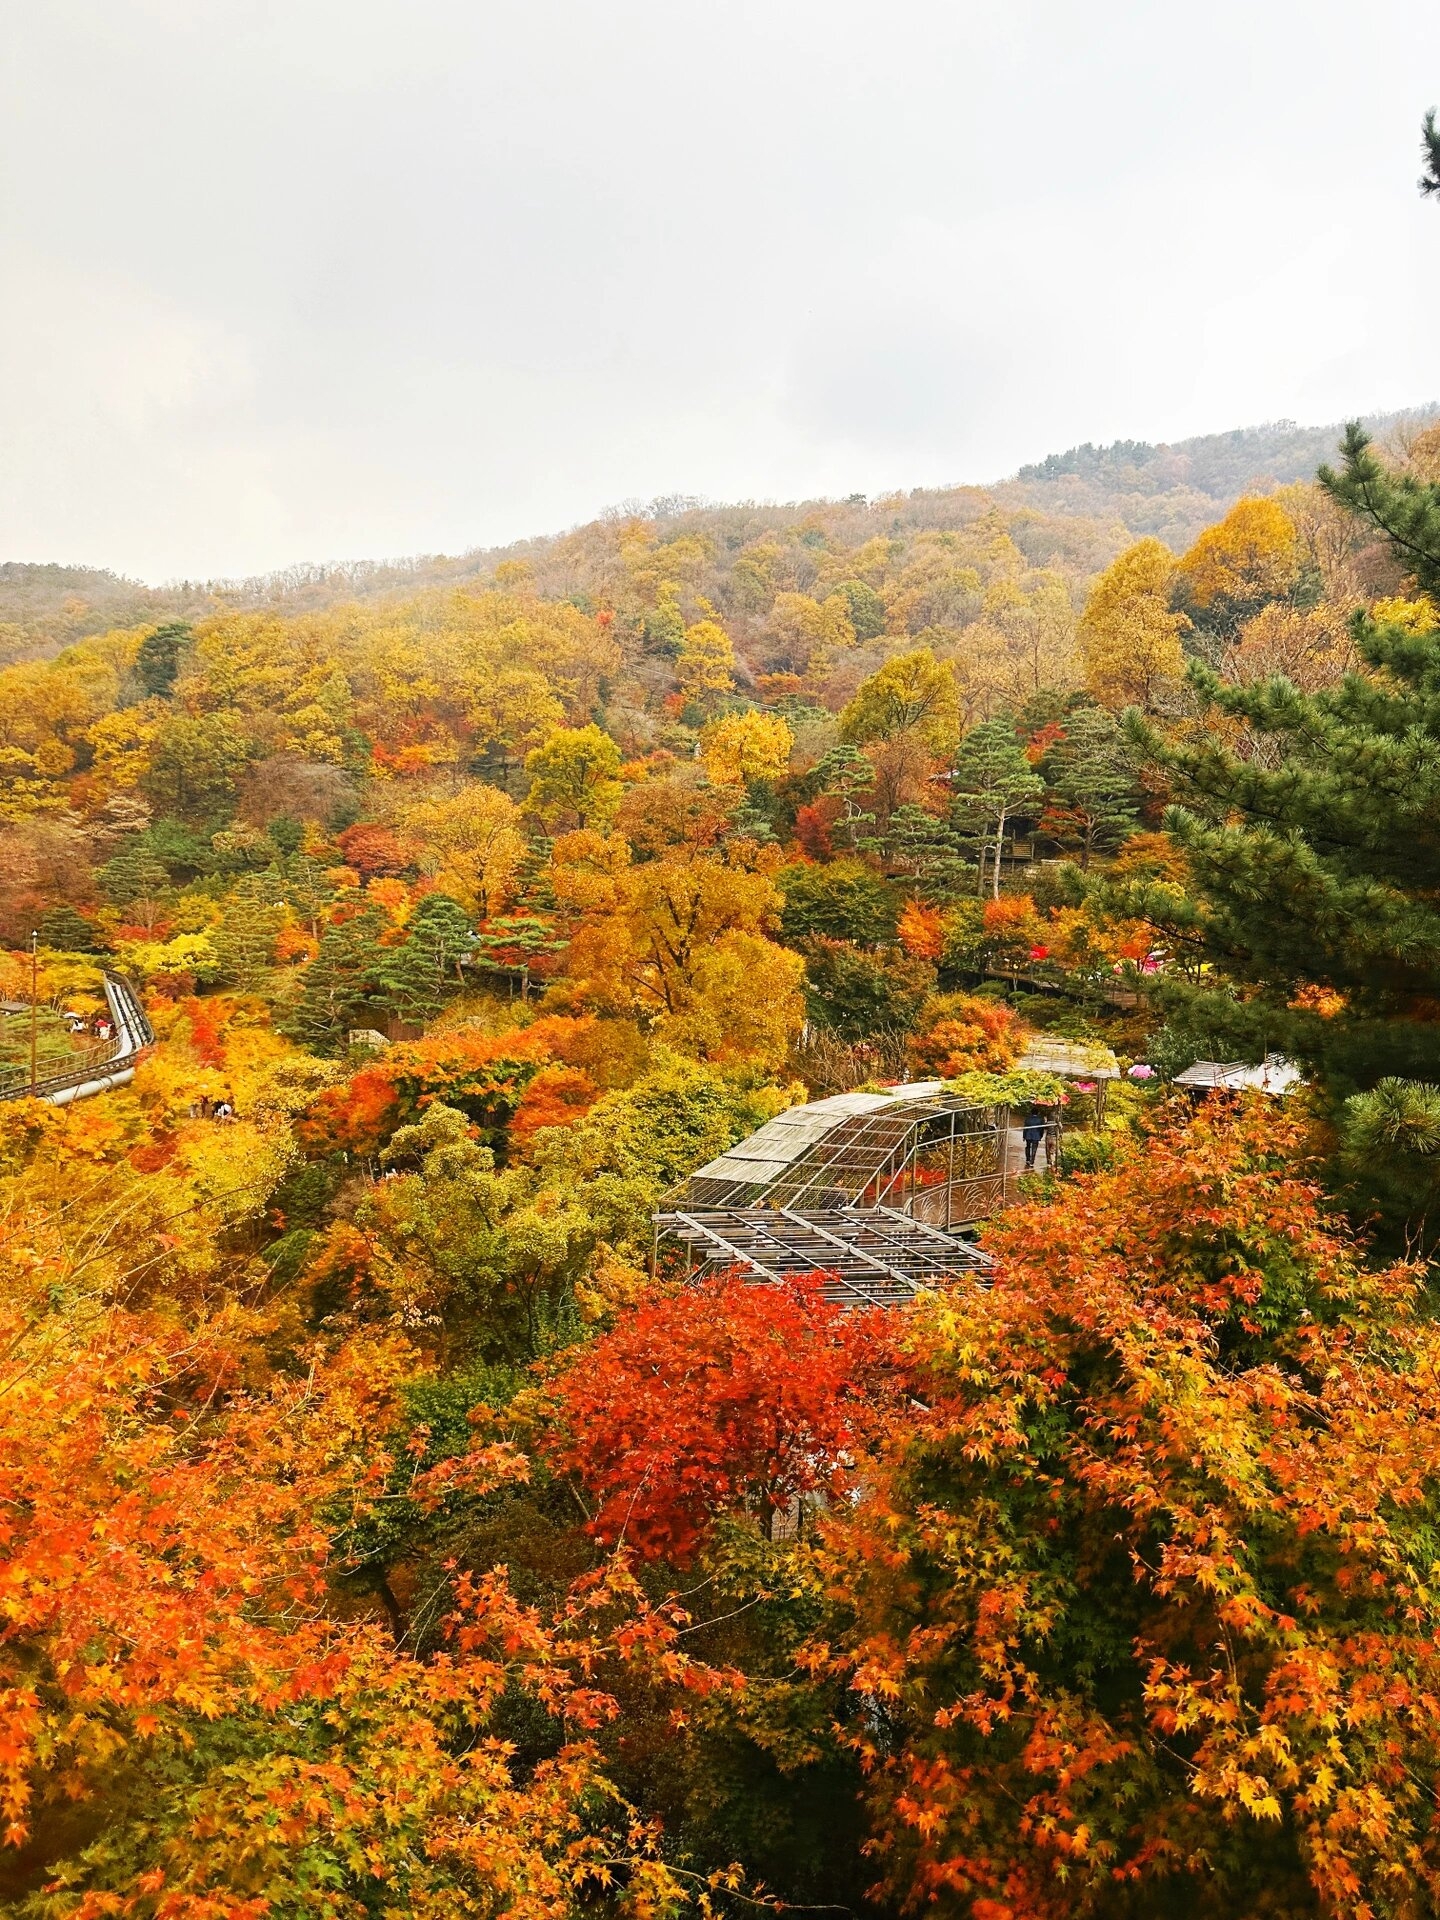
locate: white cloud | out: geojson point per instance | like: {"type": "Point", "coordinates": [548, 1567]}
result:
{"type": "Point", "coordinates": [343, 277]}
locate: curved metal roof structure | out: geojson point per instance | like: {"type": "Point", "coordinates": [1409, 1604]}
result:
{"type": "Point", "coordinates": [849, 1149]}
{"type": "Point", "coordinates": [864, 1189]}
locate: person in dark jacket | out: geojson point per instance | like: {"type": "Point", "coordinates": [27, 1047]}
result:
{"type": "Point", "coordinates": [1034, 1130]}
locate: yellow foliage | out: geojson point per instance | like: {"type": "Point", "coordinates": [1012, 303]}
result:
{"type": "Point", "coordinates": [706, 659]}
{"type": "Point", "coordinates": [1415, 616]}
{"type": "Point", "coordinates": [806, 634]}
{"type": "Point", "coordinates": [1129, 637]}
{"type": "Point", "coordinates": [470, 842]}
{"type": "Point", "coordinates": [1252, 555]}
{"type": "Point", "coordinates": [746, 746]}
{"type": "Point", "coordinates": [184, 953]}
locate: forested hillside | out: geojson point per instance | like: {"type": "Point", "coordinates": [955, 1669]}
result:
{"type": "Point", "coordinates": [1072, 512]}
{"type": "Point", "coordinates": [390, 1526]}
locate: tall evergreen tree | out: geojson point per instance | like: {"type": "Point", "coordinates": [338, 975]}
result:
{"type": "Point", "coordinates": [931, 850]}
{"type": "Point", "coordinates": [991, 783]}
{"type": "Point", "coordinates": [1093, 782]}
{"type": "Point", "coordinates": [1314, 894]}
{"type": "Point", "coordinates": [844, 774]}
{"type": "Point", "coordinates": [339, 982]}
{"type": "Point", "coordinates": [416, 975]}
{"type": "Point", "coordinates": [157, 661]}
{"type": "Point", "coordinates": [1404, 509]}
{"type": "Point", "coordinates": [244, 941]}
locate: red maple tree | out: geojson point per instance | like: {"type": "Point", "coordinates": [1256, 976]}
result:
{"type": "Point", "coordinates": [723, 1396]}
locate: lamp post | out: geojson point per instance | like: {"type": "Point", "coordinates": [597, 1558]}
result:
{"type": "Point", "coordinates": [34, 1004]}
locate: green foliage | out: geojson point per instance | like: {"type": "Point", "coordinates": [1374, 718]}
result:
{"type": "Point", "coordinates": [338, 983]}
{"type": "Point", "coordinates": [991, 783]}
{"type": "Point", "coordinates": [194, 764]}
{"type": "Point", "coordinates": [157, 660]}
{"type": "Point", "coordinates": [1019, 1088]}
{"type": "Point", "coordinates": [1094, 780]}
{"type": "Point", "coordinates": [637, 1143]}
{"type": "Point", "coordinates": [1390, 1143]}
{"type": "Point", "coordinates": [503, 1254]}
{"type": "Point", "coordinates": [843, 900]}
{"type": "Point", "coordinates": [665, 629]}
{"type": "Point", "coordinates": [244, 941]}
{"type": "Point", "coordinates": [859, 996]}
{"type": "Point", "coordinates": [1405, 510]}
{"type": "Point", "coordinates": [932, 851]}
{"type": "Point", "coordinates": [844, 774]}
{"type": "Point", "coordinates": [1430, 153]}
{"type": "Point", "coordinates": [67, 931]}
{"type": "Point", "coordinates": [1314, 892]}
{"type": "Point", "coordinates": [416, 975]}
{"type": "Point", "coordinates": [1087, 1152]}
{"type": "Point", "coordinates": [867, 609]}
{"type": "Point", "coordinates": [131, 876]}
{"type": "Point", "coordinates": [187, 851]}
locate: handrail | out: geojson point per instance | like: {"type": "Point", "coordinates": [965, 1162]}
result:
{"type": "Point", "coordinates": [133, 1034]}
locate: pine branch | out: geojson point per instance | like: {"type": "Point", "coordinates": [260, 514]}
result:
{"type": "Point", "coordinates": [1405, 510]}
{"type": "Point", "coordinates": [1430, 154]}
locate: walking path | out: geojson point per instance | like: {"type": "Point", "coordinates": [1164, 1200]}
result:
{"type": "Point", "coordinates": [133, 1034]}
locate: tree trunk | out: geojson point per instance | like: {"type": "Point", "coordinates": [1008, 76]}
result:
{"type": "Point", "coordinates": [385, 1593]}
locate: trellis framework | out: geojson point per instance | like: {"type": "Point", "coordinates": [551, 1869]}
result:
{"type": "Point", "coordinates": [871, 1256]}
{"type": "Point", "coordinates": [866, 1189]}
{"type": "Point", "coordinates": [918, 1149]}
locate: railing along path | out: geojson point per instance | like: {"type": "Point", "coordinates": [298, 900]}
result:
{"type": "Point", "coordinates": [100, 1068]}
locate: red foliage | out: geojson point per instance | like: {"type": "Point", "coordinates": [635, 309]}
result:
{"type": "Point", "coordinates": [1042, 740]}
{"type": "Point", "coordinates": [921, 931]}
{"type": "Point", "coordinates": [555, 1097]}
{"type": "Point", "coordinates": [484, 1074]}
{"type": "Point", "coordinates": [204, 1017]}
{"type": "Point", "coordinates": [152, 1154]}
{"type": "Point", "coordinates": [812, 828]}
{"type": "Point", "coordinates": [371, 850]}
{"type": "Point", "coordinates": [718, 1397]}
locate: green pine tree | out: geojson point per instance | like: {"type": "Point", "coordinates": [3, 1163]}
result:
{"type": "Point", "coordinates": [1093, 778]}
{"type": "Point", "coordinates": [844, 774]}
{"type": "Point", "coordinates": [1313, 904]}
{"type": "Point", "coordinates": [1404, 509]}
{"type": "Point", "coordinates": [992, 782]}
{"type": "Point", "coordinates": [1430, 153]}
{"type": "Point", "coordinates": [64, 930]}
{"type": "Point", "coordinates": [157, 660]}
{"type": "Point", "coordinates": [133, 881]}
{"type": "Point", "coordinates": [416, 975]}
{"type": "Point", "coordinates": [339, 983]}
{"type": "Point", "coordinates": [244, 941]}
{"type": "Point", "coordinates": [931, 851]}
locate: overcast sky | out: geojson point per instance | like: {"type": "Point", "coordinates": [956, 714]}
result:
{"type": "Point", "coordinates": [317, 279]}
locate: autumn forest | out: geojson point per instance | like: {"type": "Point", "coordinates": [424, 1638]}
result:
{"type": "Point", "coordinates": [393, 1522]}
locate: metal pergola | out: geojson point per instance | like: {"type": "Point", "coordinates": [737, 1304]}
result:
{"type": "Point", "coordinates": [863, 1256]}
{"type": "Point", "coordinates": [866, 1190]}
{"type": "Point", "coordinates": [916, 1149]}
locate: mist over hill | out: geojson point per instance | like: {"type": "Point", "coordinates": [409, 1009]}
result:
{"type": "Point", "coordinates": [1073, 510]}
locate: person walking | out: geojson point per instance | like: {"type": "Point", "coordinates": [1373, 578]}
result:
{"type": "Point", "coordinates": [1034, 1130]}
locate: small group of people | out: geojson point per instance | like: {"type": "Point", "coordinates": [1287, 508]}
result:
{"type": "Point", "coordinates": [100, 1025]}
{"type": "Point", "coordinates": [205, 1108]}
{"type": "Point", "coordinates": [1041, 1127]}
